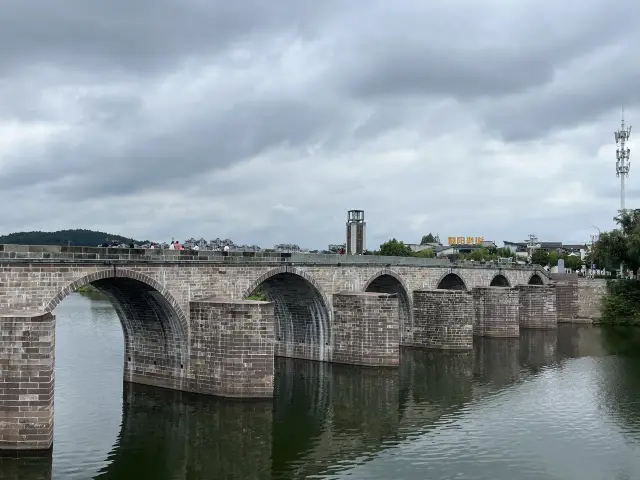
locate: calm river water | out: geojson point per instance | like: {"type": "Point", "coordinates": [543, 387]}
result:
{"type": "Point", "coordinates": [562, 405]}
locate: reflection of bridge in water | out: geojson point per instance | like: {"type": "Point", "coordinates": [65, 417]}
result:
{"type": "Point", "coordinates": [323, 417]}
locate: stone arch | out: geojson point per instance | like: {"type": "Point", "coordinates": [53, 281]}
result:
{"type": "Point", "coordinates": [154, 325]}
{"type": "Point", "coordinates": [535, 279]}
{"type": "Point", "coordinates": [500, 281]}
{"type": "Point", "coordinates": [120, 273]}
{"type": "Point", "coordinates": [387, 281]}
{"type": "Point", "coordinates": [303, 314]}
{"type": "Point", "coordinates": [451, 281]}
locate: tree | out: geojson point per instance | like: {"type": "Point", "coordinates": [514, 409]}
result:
{"type": "Point", "coordinates": [481, 254]}
{"type": "Point", "coordinates": [429, 238]}
{"type": "Point", "coordinates": [504, 252]}
{"type": "Point", "coordinates": [426, 253]}
{"type": "Point", "coordinates": [573, 262]}
{"type": "Point", "coordinates": [540, 257]}
{"type": "Point", "coordinates": [395, 248]}
{"type": "Point", "coordinates": [621, 245]}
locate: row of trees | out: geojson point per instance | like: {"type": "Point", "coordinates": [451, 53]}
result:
{"type": "Point", "coordinates": [621, 245]}
{"type": "Point", "coordinates": [78, 237]}
{"type": "Point", "coordinates": [550, 259]}
{"type": "Point", "coordinates": [397, 248]}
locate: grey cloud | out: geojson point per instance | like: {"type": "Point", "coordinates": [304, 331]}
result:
{"type": "Point", "coordinates": [538, 115]}
{"type": "Point", "coordinates": [473, 53]}
{"type": "Point", "coordinates": [140, 36]}
{"type": "Point", "coordinates": [146, 158]}
{"type": "Point", "coordinates": [354, 75]}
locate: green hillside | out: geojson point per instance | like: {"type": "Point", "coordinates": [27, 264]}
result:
{"type": "Point", "coordinates": [79, 237]}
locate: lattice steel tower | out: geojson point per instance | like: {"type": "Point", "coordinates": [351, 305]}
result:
{"type": "Point", "coordinates": [622, 154]}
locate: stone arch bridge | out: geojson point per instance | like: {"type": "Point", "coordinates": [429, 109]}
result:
{"type": "Point", "coordinates": [190, 324]}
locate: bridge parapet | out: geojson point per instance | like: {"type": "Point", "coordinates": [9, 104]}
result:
{"type": "Point", "coordinates": [75, 254]}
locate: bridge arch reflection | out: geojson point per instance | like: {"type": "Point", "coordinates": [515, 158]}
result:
{"type": "Point", "coordinates": [324, 417]}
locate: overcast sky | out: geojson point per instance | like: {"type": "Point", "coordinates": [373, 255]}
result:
{"type": "Point", "coordinates": [265, 121]}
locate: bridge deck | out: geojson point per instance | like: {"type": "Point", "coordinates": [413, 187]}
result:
{"type": "Point", "coordinates": [75, 254]}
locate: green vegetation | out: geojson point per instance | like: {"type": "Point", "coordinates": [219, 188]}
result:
{"type": "Point", "coordinates": [427, 253]}
{"type": "Point", "coordinates": [621, 245]}
{"type": "Point", "coordinates": [395, 248]}
{"type": "Point", "coordinates": [88, 288]}
{"type": "Point", "coordinates": [90, 291]}
{"type": "Point", "coordinates": [621, 304]}
{"type": "Point", "coordinates": [429, 238]}
{"type": "Point", "coordinates": [78, 237]}
{"type": "Point", "coordinates": [259, 295]}
{"type": "Point", "coordinates": [485, 254]}
{"type": "Point", "coordinates": [550, 259]}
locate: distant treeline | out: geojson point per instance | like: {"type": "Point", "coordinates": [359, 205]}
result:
{"type": "Point", "coordinates": [79, 237]}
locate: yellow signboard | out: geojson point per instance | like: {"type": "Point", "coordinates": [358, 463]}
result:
{"type": "Point", "coordinates": [465, 240]}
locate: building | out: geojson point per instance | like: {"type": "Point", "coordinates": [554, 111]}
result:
{"type": "Point", "coordinates": [419, 247]}
{"type": "Point", "coordinates": [356, 232]}
{"type": "Point", "coordinates": [521, 248]}
{"type": "Point", "coordinates": [457, 245]}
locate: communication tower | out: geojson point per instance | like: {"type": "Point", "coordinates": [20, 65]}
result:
{"type": "Point", "coordinates": [356, 232]}
{"type": "Point", "coordinates": [622, 155]}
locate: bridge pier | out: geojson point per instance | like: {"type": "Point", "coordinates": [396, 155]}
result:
{"type": "Point", "coordinates": [443, 319]}
{"type": "Point", "coordinates": [231, 347]}
{"type": "Point", "coordinates": [496, 312]}
{"type": "Point", "coordinates": [27, 356]}
{"type": "Point", "coordinates": [538, 306]}
{"type": "Point", "coordinates": [366, 328]}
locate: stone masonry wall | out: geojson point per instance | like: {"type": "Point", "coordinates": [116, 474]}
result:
{"type": "Point", "coordinates": [443, 319]}
{"type": "Point", "coordinates": [590, 293]}
{"type": "Point", "coordinates": [366, 327]}
{"type": "Point", "coordinates": [232, 348]}
{"type": "Point", "coordinates": [27, 355]}
{"type": "Point", "coordinates": [496, 312]}
{"type": "Point", "coordinates": [538, 306]}
{"type": "Point", "coordinates": [40, 285]}
{"type": "Point", "coordinates": [567, 297]}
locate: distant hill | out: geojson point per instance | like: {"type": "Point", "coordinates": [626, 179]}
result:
{"type": "Point", "coordinates": [79, 237]}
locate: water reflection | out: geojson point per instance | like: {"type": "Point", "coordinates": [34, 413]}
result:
{"type": "Point", "coordinates": [497, 360]}
{"type": "Point", "coordinates": [538, 349]}
{"type": "Point", "coordinates": [168, 434]}
{"type": "Point", "coordinates": [619, 379]}
{"type": "Point", "coordinates": [31, 467]}
{"type": "Point", "coordinates": [327, 419]}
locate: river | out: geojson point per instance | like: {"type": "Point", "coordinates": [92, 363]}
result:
{"type": "Point", "coordinates": [551, 405]}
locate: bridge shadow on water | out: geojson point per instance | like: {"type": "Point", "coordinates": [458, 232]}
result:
{"type": "Point", "coordinates": [324, 417]}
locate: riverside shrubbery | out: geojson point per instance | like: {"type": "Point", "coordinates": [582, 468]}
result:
{"type": "Point", "coordinates": [621, 304]}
